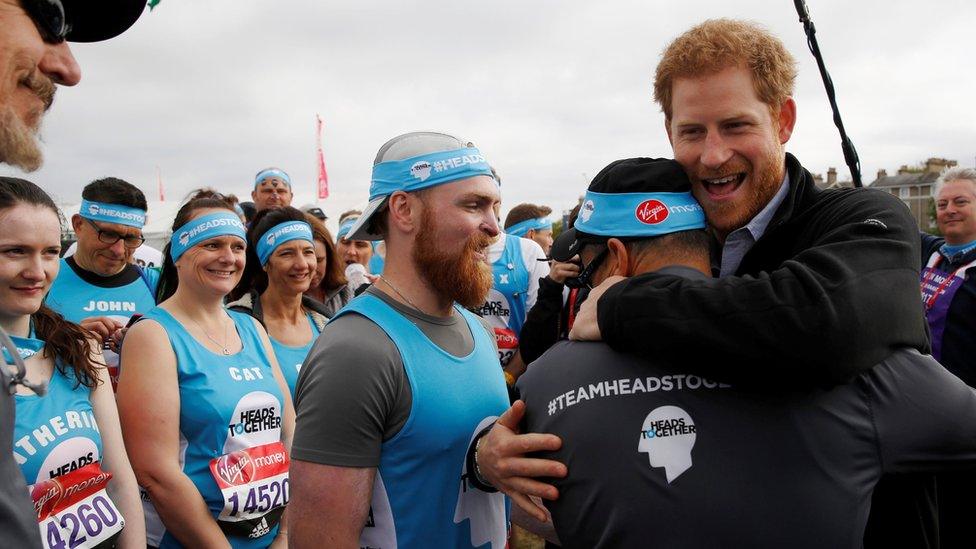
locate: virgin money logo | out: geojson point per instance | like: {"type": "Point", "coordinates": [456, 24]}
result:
{"type": "Point", "coordinates": [46, 495]}
{"type": "Point", "coordinates": [235, 468]}
{"type": "Point", "coordinates": [651, 212]}
{"type": "Point", "coordinates": [421, 170]}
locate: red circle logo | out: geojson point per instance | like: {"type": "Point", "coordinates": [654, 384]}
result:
{"type": "Point", "coordinates": [235, 468]}
{"type": "Point", "coordinates": [651, 212]}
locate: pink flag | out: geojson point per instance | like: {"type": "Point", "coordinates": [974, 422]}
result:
{"type": "Point", "coordinates": [159, 185]}
{"type": "Point", "coordinates": [323, 176]}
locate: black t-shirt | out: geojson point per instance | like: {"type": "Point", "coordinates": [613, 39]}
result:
{"type": "Point", "coordinates": [659, 459]}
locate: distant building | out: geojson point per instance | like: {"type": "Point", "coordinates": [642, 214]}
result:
{"type": "Point", "coordinates": [831, 182]}
{"type": "Point", "coordinates": [914, 186]}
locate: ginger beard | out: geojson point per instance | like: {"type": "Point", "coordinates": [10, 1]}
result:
{"type": "Point", "coordinates": [463, 276]}
{"type": "Point", "coordinates": [18, 137]}
{"type": "Point", "coordinates": [726, 217]}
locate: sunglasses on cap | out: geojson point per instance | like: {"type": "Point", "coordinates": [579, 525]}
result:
{"type": "Point", "coordinates": [49, 18]}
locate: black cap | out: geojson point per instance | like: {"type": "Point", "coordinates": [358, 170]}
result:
{"type": "Point", "coordinates": [96, 21]}
{"type": "Point", "coordinates": [315, 211]}
{"type": "Point", "coordinates": [629, 175]}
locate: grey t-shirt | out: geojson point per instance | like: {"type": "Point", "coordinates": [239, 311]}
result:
{"type": "Point", "coordinates": [353, 394]}
{"type": "Point", "coordinates": [662, 459]}
{"type": "Point", "coordinates": [18, 522]}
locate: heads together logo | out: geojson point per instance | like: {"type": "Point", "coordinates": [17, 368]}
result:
{"type": "Point", "coordinates": [667, 437]}
{"type": "Point", "coordinates": [93, 209]}
{"type": "Point", "coordinates": [651, 212]}
{"type": "Point", "coordinates": [184, 238]}
{"type": "Point", "coordinates": [271, 239]}
{"type": "Point", "coordinates": [587, 210]}
{"type": "Point", "coordinates": [421, 170]}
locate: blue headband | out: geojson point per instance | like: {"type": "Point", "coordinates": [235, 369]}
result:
{"type": "Point", "coordinates": [344, 228]}
{"type": "Point", "coordinates": [639, 214]}
{"type": "Point", "coordinates": [112, 213]}
{"type": "Point", "coordinates": [523, 227]}
{"type": "Point", "coordinates": [272, 172]}
{"type": "Point", "coordinates": [205, 228]}
{"type": "Point", "coordinates": [279, 234]}
{"type": "Point", "coordinates": [426, 170]}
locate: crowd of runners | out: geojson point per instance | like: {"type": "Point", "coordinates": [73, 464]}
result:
{"type": "Point", "coordinates": [712, 353]}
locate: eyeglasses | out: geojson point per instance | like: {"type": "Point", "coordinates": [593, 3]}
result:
{"type": "Point", "coordinates": [111, 237]}
{"type": "Point", "coordinates": [48, 16]}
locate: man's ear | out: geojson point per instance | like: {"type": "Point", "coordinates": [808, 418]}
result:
{"type": "Point", "coordinates": [76, 222]}
{"type": "Point", "coordinates": [404, 211]}
{"type": "Point", "coordinates": [787, 119]}
{"type": "Point", "coordinates": [618, 259]}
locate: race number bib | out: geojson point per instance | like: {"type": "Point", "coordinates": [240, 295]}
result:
{"type": "Point", "coordinates": [74, 510]}
{"type": "Point", "coordinates": [254, 483]}
{"type": "Point", "coordinates": [507, 344]}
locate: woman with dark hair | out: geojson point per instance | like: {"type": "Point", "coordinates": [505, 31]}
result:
{"type": "Point", "coordinates": [329, 285]}
{"type": "Point", "coordinates": [71, 437]}
{"type": "Point", "coordinates": [280, 265]}
{"type": "Point", "coordinates": [206, 412]}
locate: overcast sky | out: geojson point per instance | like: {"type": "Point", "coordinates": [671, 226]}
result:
{"type": "Point", "coordinates": [210, 91]}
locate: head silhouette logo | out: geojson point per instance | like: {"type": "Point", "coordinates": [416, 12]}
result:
{"type": "Point", "coordinates": [586, 210]}
{"type": "Point", "coordinates": [421, 170]}
{"type": "Point", "coordinates": [184, 238]}
{"type": "Point", "coordinates": [271, 239]}
{"type": "Point", "coordinates": [667, 437]}
{"type": "Point", "coordinates": [93, 209]}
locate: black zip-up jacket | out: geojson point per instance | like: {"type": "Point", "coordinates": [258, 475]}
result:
{"type": "Point", "coordinates": [828, 291]}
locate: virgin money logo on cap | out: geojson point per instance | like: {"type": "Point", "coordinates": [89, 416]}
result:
{"type": "Point", "coordinates": [235, 468]}
{"type": "Point", "coordinates": [651, 212]}
{"type": "Point", "coordinates": [586, 211]}
{"type": "Point", "coordinates": [421, 170]}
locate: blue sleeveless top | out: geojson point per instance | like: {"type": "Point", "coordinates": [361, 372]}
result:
{"type": "Point", "coordinates": [56, 433]}
{"type": "Point", "coordinates": [227, 403]}
{"type": "Point", "coordinates": [512, 282]}
{"type": "Point", "coordinates": [291, 357]}
{"type": "Point", "coordinates": [77, 299]}
{"type": "Point", "coordinates": [421, 497]}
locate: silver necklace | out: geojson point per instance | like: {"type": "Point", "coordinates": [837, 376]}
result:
{"type": "Point", "coordinates": [399, 293]}
{"type": "Point", "coordinates": [223, 346]}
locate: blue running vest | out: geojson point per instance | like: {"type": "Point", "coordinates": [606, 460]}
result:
{"type": "Point", "coordinates": [291, 357]}
{"type": "Point", "coordinates": [56, 434]}
{"type": "Point", "coordinates": [420, 496]}
{"type": "Point", "coordinates": [216, 394]}
{"type": "Point", "coordinates": [512, 282]}
{"type": "Point", "coordinates": [77, 299]}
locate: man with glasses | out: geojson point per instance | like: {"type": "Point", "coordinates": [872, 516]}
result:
{"type": "Point", "coordinates": [272, 189]}
{"type": "Point", "coordinates": [34, 59]}
{"type": "Point", "coordinates": [99, 287]}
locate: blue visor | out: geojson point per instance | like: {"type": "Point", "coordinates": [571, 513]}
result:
{"type": "Point", "coordinates": [279, 234]}
{"type": "Point", "coordinates": [523, 227]}
{"type": "Point", "coordinates": [639, 214]}
{"type": "Point", "coordinates": [426, 170]}
{"type": "Point", "coordinates": [344, 228]}
{"type": "Point", "coordinates": [273, 172]}
{"type": "Point", "coordinates": [112, 213]}
{"type": "Point", "coordinates": [205, 228]}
